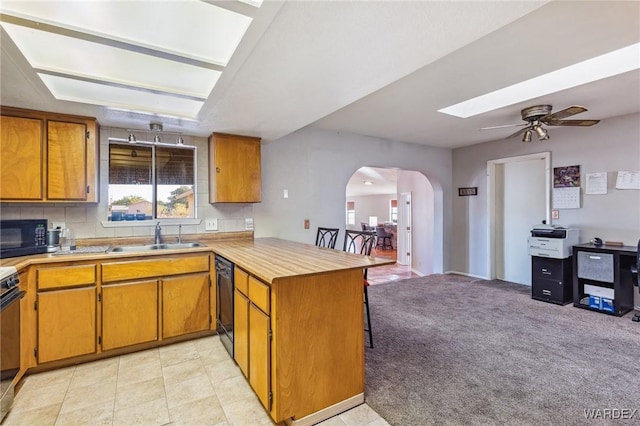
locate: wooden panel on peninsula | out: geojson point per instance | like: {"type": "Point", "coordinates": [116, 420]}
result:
{"type": "Point", "coordinates": [316, 356]}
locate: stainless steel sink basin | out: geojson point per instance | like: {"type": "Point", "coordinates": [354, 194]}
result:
{"type": "Point", "coordinates": [149, 247]}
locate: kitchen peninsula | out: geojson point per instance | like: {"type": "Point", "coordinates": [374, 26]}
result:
{"type": "Point", "coordinates": [303, 338]}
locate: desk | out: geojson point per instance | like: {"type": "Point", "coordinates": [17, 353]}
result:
{"type": "Point", "coordinates": [606, 269]}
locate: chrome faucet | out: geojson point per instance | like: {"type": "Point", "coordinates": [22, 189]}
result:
{"type": "Point", "coordinates": [157, 237]}
{"type": "Point", "coordinates": [179, 234]}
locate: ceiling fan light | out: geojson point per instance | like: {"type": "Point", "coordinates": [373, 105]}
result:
{"type": "Point", "coordinates": [527, 136]}
{"type": "Point", "coordinates": [543, 135]}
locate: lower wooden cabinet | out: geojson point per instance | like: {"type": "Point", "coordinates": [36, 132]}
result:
{"type": "Point", "coordinates": [129, 314]}
{"type": "Point", "coordinates": [260, 355]}
{"type": "Point", "coordinates": [66, 311]}
{"type": "Point", "coordinates": [84, 308]}
{"type": "Point", "coordinates": [66, 323]}
{"type": "Point", "coordinates": [241, 331]}
{"type": "Point", "coordinates": [252, 333]}
{"type": "Point", "coordinates": [185, 305]}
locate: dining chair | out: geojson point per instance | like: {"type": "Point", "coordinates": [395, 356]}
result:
{"type": "Point", "coordinates": [327, 237]}
{"type": "Point", "coordinates": [361, 242]}
{"type": "Point", "coordinates": [383, 238]}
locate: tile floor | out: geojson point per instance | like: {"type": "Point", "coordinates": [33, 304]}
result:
{"type": "Point", "coordinates": [189, 383]}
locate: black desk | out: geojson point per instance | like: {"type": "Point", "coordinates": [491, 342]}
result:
{"type": "Point", "coordinates": [605, 267]}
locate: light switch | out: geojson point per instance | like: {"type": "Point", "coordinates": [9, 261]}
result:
{"type": "Point", "coordinates": [285, 193]}
{"type": "Point", "coordinates": [211, 224]}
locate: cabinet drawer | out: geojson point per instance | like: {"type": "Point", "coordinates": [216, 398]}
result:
{"type": "Point", "coordinates": [136, 269]}
{"type": "Point", "coordinates": [595, 266]}
{"type": "Point", "coordinates": [241, 281]}
{"type": "Point", "coordinates": [546, 268]}
{"type": "Point", "coordinates": [259, 294]}
{"type": "Point", "coordinates": [70, 276]}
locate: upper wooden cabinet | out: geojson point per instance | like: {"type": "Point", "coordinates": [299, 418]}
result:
{"type": "Point", "coordinates": [234, 169]}
{"type": "Point", "coordinates": [48, 157]}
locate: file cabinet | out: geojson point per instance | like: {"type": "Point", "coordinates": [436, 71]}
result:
{"type": "Point", "coordinates": [551, 279]}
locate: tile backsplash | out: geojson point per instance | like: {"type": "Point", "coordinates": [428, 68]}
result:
{"type": "Point", "coordinates": [87, 219]}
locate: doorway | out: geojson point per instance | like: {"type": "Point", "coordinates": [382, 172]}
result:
{"type": "Point", "coordinates": [421, 246]}
{"type": "Point", "coordinates": [519, 194]}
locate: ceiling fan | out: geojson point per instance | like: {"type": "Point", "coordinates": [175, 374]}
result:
{"type": "Point", "coordinates": [536, 116]}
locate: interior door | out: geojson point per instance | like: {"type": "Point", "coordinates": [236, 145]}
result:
{"type": "Point", "coordinates": [523, 205]}
{"type": "Point", "coordinates": [404, 229]}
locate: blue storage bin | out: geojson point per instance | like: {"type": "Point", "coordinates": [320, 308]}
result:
{"type": "Point", "coordinates": [594, 301]}
{"type": "Point", "coordinates": [606, 304]}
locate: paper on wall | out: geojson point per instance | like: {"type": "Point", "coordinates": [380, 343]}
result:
{"type": "Point", "coordinates": [596, 183]}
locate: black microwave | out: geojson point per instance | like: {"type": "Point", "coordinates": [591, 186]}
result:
{"type": "Point", "coordinates": [22, 237]}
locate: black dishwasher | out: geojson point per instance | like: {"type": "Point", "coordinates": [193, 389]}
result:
{"type": "Point", "coordinates": [224, 302]}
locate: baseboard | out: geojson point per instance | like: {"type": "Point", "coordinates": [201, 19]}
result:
{"type": "Point", "coordinates": [328, 412]}
{"type": "Point", "coordinates": [418, 273]}
{"type": "Point", "coordinates": [467, 275]}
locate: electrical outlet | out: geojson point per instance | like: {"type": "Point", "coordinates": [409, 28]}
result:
{"type": "Point", "coordinates": [211, 224]}
{"type": "Point", "coordinates": [306, 224]}
{"type": "Point", "coordinates": [248, 223]}
{"type": "Point", "coordinates": [56, 225]}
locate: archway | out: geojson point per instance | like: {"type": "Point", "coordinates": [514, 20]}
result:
{"type": "Point", "coordinates": [374, 202]}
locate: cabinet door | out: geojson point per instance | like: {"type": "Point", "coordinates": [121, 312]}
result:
{"type": "Point", "coordinates": [21, 153]}
{"type": "Point", "coordinates": [235, 174]}
{"type": "Point", "coordinates": [66, 323]}
{"type": "Point", "coordinates": [185, 304]}
{"type": "Point", "coordinates": [241, 332]}
{"type": "Point", "coordinates": [129, 314]}
{"type": "Point", "coordinates": [260, 355]}
{"type": "Point", "coordinates": [66, 161]}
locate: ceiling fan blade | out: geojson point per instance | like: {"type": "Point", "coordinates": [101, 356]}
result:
{"type": "Point", "coordinates": [502, 127]}
{"type": "Point", "coordinates": [567, 112]}
{"type": "Point", "coordinates": [571, 122]}
{"type": "Point", "coordinates": [518, 133]}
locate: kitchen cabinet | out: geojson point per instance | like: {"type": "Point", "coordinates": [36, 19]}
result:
{"type": "Point", "coordinates": [185, 304]}
{"type": "Point", "coordinates": [21, 154]}
{"type": "Point", "coordinates": [55, 157]}
{"type": "Point", "coordinates": [66, 312]}
{"type": "Point", "coordinates": [234, 169]}
{"type": "Point", "coordinates": [171, 291]}
{"type": "Point", "coordinates": [252, 333]}
{"type": "Point", "coordinates": [129, 314]}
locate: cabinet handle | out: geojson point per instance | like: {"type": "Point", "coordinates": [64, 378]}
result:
{"type": "Point", "coordinates": [595, 257]}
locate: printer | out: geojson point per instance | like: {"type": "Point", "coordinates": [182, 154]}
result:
{"type": "Point", "coordinates": [552, 241]}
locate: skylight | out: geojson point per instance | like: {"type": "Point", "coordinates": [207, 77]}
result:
{"type": "Point", "coordinates": [607, 65]}
{"type": "Point", "coordinates": [158, 57]}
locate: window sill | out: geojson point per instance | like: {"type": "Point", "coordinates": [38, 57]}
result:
{"type": "Point", "coordinates": [148, 223]}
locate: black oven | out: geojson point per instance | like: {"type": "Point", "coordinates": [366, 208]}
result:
{"type": "Point", "coordinates": [10, 295]}
{"type": "Point", "coordinates": [22, 237]}
{"type": "Point", "coordinates": [224, 302]}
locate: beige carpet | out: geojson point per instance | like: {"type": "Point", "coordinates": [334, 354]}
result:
{"type": "Point", "coordinates": [451, 350]}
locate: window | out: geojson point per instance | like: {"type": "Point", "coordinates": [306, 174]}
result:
{"type": "Point", "coordinates": [351, 212]}
{"type": "Point", "coordinates": [151, 181]}
{"type": "Point", "coordinates": [393, 210]}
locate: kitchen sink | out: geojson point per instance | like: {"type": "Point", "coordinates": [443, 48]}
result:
{"type": "Point", "coordinates": [149, 247]}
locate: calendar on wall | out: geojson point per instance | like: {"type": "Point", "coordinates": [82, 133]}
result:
{"type": "Point", "coordinates": [566, 187]}
{"type": "Point", "coordinates": [566, 198]}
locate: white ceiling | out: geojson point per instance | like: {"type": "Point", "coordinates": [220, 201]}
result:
{"type": "Point", "coordinates": [384, 68]}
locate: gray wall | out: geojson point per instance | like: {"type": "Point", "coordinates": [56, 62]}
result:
{"type": "Point", "coordinates": [610, 146]}
{"type": "Point", "coordinates": [315, 166]}
{"type": "Point", "coordinates": [371, 205]}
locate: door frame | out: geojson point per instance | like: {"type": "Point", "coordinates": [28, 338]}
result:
{"type": "Point", "coordinates": [404, 243]}
{"type": "Point", "coordinates": [491, 200]}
